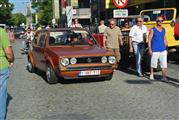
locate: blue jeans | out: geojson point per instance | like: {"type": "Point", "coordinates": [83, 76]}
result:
{"type": "Point", "coordinates": [4, 76]}
{"type": "Point", "coordinates": [138, 51]}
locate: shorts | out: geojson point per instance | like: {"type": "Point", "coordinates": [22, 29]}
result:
{"type": "Point", "coordinates": [161, 57]}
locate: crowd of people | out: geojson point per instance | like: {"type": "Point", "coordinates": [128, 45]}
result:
{"type": "Point", "coordinates": [157, 43]}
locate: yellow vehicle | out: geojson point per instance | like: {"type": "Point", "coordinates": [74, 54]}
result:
{"type": "Point", "coordinates": [169, 16]}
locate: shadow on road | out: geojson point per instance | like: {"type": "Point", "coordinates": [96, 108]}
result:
{"type": "Point", "coordinates": [138, 82]}
{"type": "Point", "coordinates": [128, 70]}
{"type": "Point", "coordinates": [77, 81]}
{"type": "Point", "coordinates": [171, 81]}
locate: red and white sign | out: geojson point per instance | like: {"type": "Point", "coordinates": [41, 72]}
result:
{"type": "Point", "coordinates": [120, 13]}
{"type": "Point", "coordinates": [120, 3]}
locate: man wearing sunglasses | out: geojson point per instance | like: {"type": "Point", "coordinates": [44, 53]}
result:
{"type": "Point", "coordinates": [137, 37]}
{"type": "Point", "coordinates": [113, 38]}
{"type": "Point", "coordinates": [157, 45]}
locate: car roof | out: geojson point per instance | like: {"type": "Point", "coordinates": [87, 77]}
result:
{"type": "Point", "coordinates": [60, 29]}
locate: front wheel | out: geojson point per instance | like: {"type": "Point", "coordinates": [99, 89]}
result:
{"type": "Point", "coordinates": [51, 77]}
{"type": "Point", "coordinates": [109, 77]}
{"type": "Point", "coordinates": [30, 67]}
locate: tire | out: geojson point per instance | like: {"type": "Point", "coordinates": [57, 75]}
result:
{"type": "Point", "coordinates": [30, 67]}
{"type": "Point", "coordinates": [109, 77]}
{"type": "Point", "coordinates": [51, 77]}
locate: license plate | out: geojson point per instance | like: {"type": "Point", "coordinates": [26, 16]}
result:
{"type": "Point", "coordinates": [88, 73]}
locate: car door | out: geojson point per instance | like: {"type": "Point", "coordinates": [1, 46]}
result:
{"type": "Point", "coordinates": [39, 51]}
{"type": "Point", "coordinates": [35, 49]}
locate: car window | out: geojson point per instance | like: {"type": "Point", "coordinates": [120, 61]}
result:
{"type": "Point", "coordinates": [36, 38]}
{"type": "Point", "coordinates": [41, 42]}
{"type": "Point", "coordinates": [74, 37]}
{"type": "Point", "coordinates": [152, 15]}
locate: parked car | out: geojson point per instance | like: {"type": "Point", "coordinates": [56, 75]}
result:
{"type": "Point", "coordinates": [3, 25]}
{"type": "Point", "coordinates": [70, 53]}
{"type": "Point", "coordinates": [19, 32]}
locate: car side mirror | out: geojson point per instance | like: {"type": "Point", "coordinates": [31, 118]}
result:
{"type": "Point", "coordinates": [172, 23]}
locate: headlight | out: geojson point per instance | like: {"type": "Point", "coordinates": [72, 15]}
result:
{"type": "Point", "coordinates": [104, 59]}
{"type": "Point", "coordinates": [65, 61]}
{"type": "Point", "coordinates": [112, 60]}
{"type": "Point", "coordinates": [73, 61]}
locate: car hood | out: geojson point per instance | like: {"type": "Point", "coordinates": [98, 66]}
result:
{"type": "Point", "coordinates": [80, 51]}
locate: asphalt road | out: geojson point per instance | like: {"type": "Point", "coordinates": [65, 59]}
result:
{"type": "Point", "coordinates": [125, 97]}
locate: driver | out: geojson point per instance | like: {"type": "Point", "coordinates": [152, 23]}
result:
{"type": "Point", "coordinates": [73, 39]}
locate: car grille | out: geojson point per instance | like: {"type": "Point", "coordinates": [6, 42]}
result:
{"type": "Point", "coordinates": [90, 68]}
{"type": "Point", "coordinates": [89, 60]}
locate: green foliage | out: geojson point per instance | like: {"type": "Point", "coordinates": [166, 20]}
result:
{"type": "Point", "coordinates": [17, 19]}
{"type": "Point", "coordinates": [44, 10]}
{"type": "Point", "coordinates": [5, 11]}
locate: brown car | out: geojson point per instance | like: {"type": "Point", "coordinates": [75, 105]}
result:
{"type": "Point", "coordinates": [70, 53]}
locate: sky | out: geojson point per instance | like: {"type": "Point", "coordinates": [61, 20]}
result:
{"type": "Point", "coordinates": [19, 6]}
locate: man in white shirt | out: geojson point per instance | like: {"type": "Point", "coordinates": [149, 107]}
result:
{"type": "Point", "coordinates": [137, 38]}
{"type": "Point", "coordinates": [101, 27]}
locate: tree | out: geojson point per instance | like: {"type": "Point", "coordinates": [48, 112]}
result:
{"type": "Point", "coordinates": [5, 11]}
{"type": "Point", "coordinates": [17, 19]}
{"type": "Point", "coordinates": [44, 10]}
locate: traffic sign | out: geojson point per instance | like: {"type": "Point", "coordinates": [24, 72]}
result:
{"type": "Point", "coordinates": [120, 13]}
{"type": "Point", "coordinates": [120, 3]}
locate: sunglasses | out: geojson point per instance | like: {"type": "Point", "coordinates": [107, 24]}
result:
{"type": "Point", "coordinates": [111, 24]}
{"type": "Point", "coordinates": [139, 21]}
{"type": "Point", "coordinates": [160, 21]}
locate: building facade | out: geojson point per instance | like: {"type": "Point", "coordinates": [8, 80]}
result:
{"type": "Point", "coordinates": [92, 11]}
{"type": "Point", "coordinates": [103, 9]}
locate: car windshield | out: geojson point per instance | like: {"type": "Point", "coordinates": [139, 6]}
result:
{"type": "Point", "coordinates": [152, 15]}
{"type": "Point", "coordinates": [73, 37]}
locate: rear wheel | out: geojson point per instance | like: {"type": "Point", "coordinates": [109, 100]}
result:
{"type": "Point", "coordinates": [51, 77]}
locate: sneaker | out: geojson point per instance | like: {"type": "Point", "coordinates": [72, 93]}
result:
{"type": "Point", "coordinates": [140, 75]}
{"type": "Point", "coordinates": [151, 77]}
{"type": "Point", "coordinates": [164, 79]}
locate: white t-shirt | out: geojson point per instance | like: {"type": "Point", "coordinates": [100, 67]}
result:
{"type": "Point", "coordinates": [30, 35]}
{"type": "Point", "coordinates": [138, 34]}
{"type": "Point", "coordinates": [77, 25]}
{"type": "Point", "coordinates": [101, 28]}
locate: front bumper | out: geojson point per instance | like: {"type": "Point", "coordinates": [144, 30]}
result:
{"type": "Point", "coordinates": [73, 72]}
